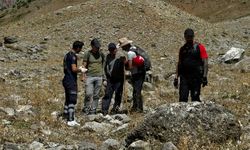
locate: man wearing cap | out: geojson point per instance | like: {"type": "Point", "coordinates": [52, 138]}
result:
{"type": "Point", "coordinates": [70, 82]}
{"type": "Point", "coordinates": [114, 76]}
{"type": "Point", "coordinates": [138, 74]}
{"type": "Point", "coordinates": [92, 60]}
{"type": "Point", "coordinates": [192, 68]}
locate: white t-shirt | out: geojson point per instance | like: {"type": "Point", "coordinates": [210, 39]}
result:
{"type": "Point", "coordinates": [131, 55]}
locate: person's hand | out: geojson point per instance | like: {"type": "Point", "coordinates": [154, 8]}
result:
{"type": "Point", "coordinates": [104, 83]}
{"type": "Point", "coordinates": [204, 81]}
{"type": "Point", "coordinates": [82, 69]}
{"type": "Point", "coordinates": [176, 83]}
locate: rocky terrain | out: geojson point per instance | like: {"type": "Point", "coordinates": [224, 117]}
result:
{"type": "Point", "coordinates": [36, 37]}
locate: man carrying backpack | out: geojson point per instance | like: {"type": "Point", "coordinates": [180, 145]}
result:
{"type": "Point", "coordinates": [70, 82]}
{"type": "Point", "coordinates": [138, 63]}
{"type": "Point", "coordinates": [192, 68]}
{"type": "Point", "coordinates": [114, 73]}
{"type": "Point", "coordinates": [92, 60]}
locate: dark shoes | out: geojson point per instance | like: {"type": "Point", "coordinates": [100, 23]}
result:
{"type": "Point", "coordinates": [138, 110]}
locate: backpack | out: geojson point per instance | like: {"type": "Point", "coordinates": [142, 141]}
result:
{"type": "Point", "coordinates": [193, 59]}
{"type": "Point", "coordinates": [115, 68]}
{"type": "Point", "coordinates": [142, 53]}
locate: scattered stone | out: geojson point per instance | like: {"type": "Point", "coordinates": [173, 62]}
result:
{"type": "Point", "coordinates": [11, 146]}
{"type": "Point", "coordinates": [243, 65]}
{"type": "Point", "coordinates": [193, 120]}
{"type": "Point", "coordinates": [139, 145]}
{"type": "Point", "coordinates": [116, 122]}
{"type": "Point", "coordinates": [36, 146]}
{"type": "Point", "coordinates": [148, 86]}
{"type": "Point", "coordinates": [87, 146]}
{"type": "Point", "coordinates": [110, 144]}
{"type": "Point", "coordinates": [233, 55]}
{"type": "Point", "coordinates": [97, 127]}
{"type": "Point", "coordinates": [121, 129]}
{"type": "Point", "coordinates": [8, 111]}
{"type": "Point", "coordinates": [169, 146]}
{"type": "Point", "coordinates": [23, 108]}
{"type": "Point", "coordinates": [6, 122]}
{"type": "Point", "coordinates": [15, 73]}
{"type": "Point", "coordinates": [10, 40]}
{"type": "Point", "coordinates": [122, 117]}
{"type": "Point", "coordinates": [98, 117]}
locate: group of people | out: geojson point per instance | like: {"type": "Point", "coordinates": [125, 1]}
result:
{"type": "Point", "coordinates": [112, 70]}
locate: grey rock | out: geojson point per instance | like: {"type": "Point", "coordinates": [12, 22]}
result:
{"type": "Point", "coordinates": [139, 145]}
{"type": "Point", "coordinates": [233, 55]}
{"type": "Point", "coordinates": [202, 122]}
{"type": "Point", "coordinates": [10, 40]}
{"type": "Point", "coordinates": [2, 59]}
{"type": "Point", "coordinates": [148, 86]}
{"type": "Point", "coordinates": [15, 73]}
{"type": "Point", "coordinates": [36, 146]}
{"type": "Point", "coordinates": [116, 122]}
{"type": "Point", "coordinates": [97, 127]}
{"type": "Point", "coordinates": [23, 108]}
{"type": "Point", "coordinates": [110, 144]}
{"type": "Point", "coordinates": [121, 129]}
{"type": "Point", "coordinates": [6, 122]}
{"type": "Point", "coordinates": [11, 146]}
{"type": "Point", "coordinates": [243, 65]}
{"type": "Point", "coordinates": [122, 117]}
{"type": "Point", "coordinates": [169, 146]}
{"type": "Point", "coordinates": [98, 117]}
{"type": "Point", "coordinates": [8, 111]}
{"type": "Point", "coordinates": [87, 146]}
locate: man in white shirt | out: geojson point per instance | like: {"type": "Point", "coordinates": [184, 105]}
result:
{"type": "Point", "coordinates": [136, 66]}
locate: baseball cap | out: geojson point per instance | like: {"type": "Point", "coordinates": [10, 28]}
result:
{"type": "Point", "coordinates": [95, 43]}
{"type": "Point", "coordinates": [112, 46]}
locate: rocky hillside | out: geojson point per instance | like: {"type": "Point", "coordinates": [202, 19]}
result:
{"type": "Point", "coordinates": [39, 35]}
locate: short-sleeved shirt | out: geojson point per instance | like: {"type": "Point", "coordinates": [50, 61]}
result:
{"type": "Point", "coordinates": [69, 59]}
{"type": "Point", "coordinates": [131, 56]}
{"type": "Point", "coordinates": [94, 63]}
{"type": "Point", "coordinates": [203, 52]}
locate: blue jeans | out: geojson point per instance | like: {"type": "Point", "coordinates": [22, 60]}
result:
{"type": "Point", "coordinates": [112, 87]}
{"type": "Point", "coordinates": [92, 91]}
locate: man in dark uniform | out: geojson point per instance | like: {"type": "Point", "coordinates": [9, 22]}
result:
{"type": "Point", "coordinates": [192, 68]}
{"type": "Point", "coordinates": [70, 82]}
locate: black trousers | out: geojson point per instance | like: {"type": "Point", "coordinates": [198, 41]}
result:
{"type": "Point", "coordinates": [137, 81]}
{"type": "Point", "coordinates": [112, 86]}
{"type": "Point", "coordinates": [189, 85]}
{"type": "Point", "coordinates": [70, 88]}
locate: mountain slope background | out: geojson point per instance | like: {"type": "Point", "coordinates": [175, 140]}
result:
{"type": "Point", "coordinates": [34, 78]}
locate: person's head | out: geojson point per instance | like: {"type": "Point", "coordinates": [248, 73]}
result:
{"type": "Point", "coordinates": [95, 44]}
{"type": "Point", "coordinates": [112, 48]}
{"type": "Point", "coordinates": [189, 35]}
{"type": "Point", "coordinates": [125, 44]}
{"type": "Point", "coordinates": [77, 46]}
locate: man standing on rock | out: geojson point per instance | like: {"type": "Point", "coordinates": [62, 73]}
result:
{"type": "Point", "coordinates": [136, 66]}
{"type": "Point", "coordinates": [114, 73]}
{"type": "Point", "coordinates": [192, 68]}
{"type": "Point", "coordinates": [92, 60]}
{"type": "Point", "coordinates": [70, 82]}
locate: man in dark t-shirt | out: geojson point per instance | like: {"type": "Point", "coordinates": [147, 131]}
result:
{"type": "Point", "coordinates": [192, 68]}
{"type": "Point", "coordinates": [70, 82]}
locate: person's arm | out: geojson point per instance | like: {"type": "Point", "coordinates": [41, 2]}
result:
{"type": "Point", "coordinates": [131, 55]}
{"type": "Point", "coordinates": [205, 66]}
{"type": "Point", "coordinates": [204, 57]}
{"type": "Point", "coordinates": [84, 65]}
{"type": "Point", "coordinates": [177, 74]}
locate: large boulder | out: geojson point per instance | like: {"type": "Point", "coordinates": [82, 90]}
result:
{"type": "Point", "coordinates": [198, 123]}
{"type": "Point", "coordinates": [233, 55]}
